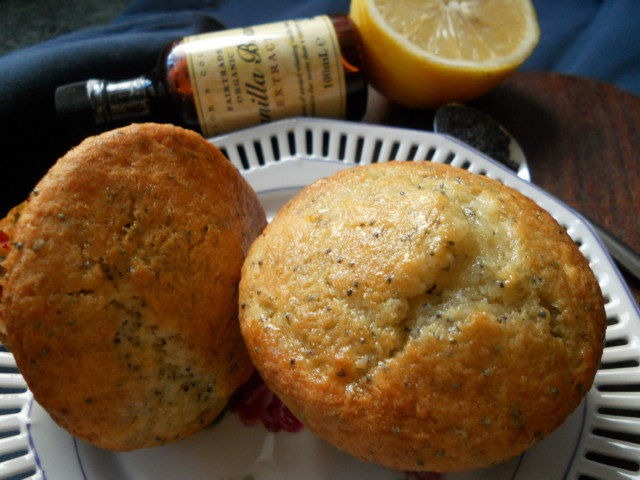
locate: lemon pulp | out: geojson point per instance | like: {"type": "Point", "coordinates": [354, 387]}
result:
{"type": "Point", "coordinates": [425, 52]}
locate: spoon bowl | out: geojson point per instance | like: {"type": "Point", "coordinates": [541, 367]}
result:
{"type": "Point", "coordinates": [483, 133]}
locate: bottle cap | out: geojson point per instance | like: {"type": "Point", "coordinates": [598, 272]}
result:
{"type": "Point", "coordinates": [77, 109]}
{"type": "Point", "coordinates": [86, 108]}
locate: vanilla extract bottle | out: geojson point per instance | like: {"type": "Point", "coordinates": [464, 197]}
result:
{"type": "Point", "coordinates": [225, 80]}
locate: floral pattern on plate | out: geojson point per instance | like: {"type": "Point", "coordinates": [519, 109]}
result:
{"type": "Point", "coordinates": [255, 403]}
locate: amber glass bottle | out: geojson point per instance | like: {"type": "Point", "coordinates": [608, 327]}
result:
{"type": "Point", "coordinates": [221, 81]}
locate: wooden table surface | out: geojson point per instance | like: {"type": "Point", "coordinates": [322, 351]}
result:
{"type": "Point", "coordinates": [581, 139]}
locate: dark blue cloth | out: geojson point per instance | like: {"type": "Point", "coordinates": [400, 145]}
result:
{"type": "Point", "coordinates": [598, 39]}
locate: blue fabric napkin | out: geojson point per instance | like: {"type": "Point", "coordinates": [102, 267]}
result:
{"type": "Point", "coordinates": [592, 38]}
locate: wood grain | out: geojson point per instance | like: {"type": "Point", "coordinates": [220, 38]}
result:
{"type": "Point", "coordinates": [581, 138]}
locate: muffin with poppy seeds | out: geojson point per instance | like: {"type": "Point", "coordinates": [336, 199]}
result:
{"type": "Point", "coordinates": [120, 286]}
{"type": "Point", "coordinates": [422, 317]}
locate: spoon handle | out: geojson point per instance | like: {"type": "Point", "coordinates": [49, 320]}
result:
{"type": "Point", "coordinates": [627, 258]}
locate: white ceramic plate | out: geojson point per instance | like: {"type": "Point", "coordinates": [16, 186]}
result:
{"type": "Point", "coordinates": [601, 440]}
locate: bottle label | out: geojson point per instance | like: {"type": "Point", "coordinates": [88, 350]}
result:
{"type": "Point", "coordinates": [253, 75]}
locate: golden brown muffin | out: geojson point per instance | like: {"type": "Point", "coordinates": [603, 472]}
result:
{"type": "Point", "coordinates": [120, 292]}
{"type": "Point", "coordinates": [422, 317]}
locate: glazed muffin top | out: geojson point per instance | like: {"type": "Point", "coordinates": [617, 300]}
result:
{"type": "Point", "coordinates": [422, 317]}
{"type": "Point", "coordinates": [120, 291]}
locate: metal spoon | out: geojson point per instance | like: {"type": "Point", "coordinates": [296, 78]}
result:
{"type": "Point", "coordinates": [485, 134]}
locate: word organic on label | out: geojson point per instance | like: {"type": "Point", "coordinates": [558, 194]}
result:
{"type": "Point", "coordinates": [258, 74]}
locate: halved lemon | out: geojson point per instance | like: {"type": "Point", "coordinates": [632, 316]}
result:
{"type": "Point", "coordinates": [423, 53]}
